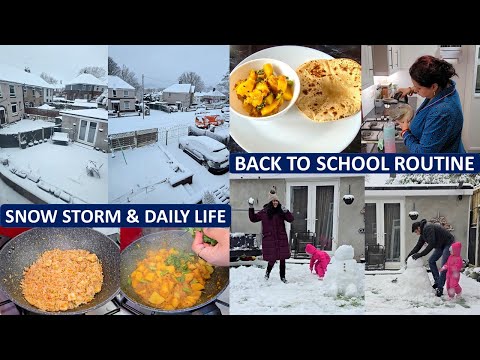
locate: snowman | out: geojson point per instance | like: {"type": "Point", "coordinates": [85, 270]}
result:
{"type": "Point", "coordinates": [414, 281]}
{"type": "Point", "coordinates": [344, 276]}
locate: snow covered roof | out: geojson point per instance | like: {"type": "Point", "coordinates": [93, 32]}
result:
{"type": "Point", "coordinates": [14, 75]}
{"type": "Point", "coordinates": [116, 83]}
{"type": "Point", "coordinates": [199, 94]}
{"type": "Point", "coordinates": [45, 107]}
{"type": "Point", "coordinates": [180, 88]}
{"type": "Point", "coordinates": [215, 93]}
{"type": "Point", "coordinates": [88, 79]}
{"type": "Point", "coordinates": [83, 103]}
{"type": "Point", "coordinates": [91, 113]}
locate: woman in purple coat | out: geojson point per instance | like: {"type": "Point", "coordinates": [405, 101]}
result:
{"type": "Point", "coordinates": [275, 244]}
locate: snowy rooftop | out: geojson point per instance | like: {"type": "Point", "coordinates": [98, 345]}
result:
{"type": "Point", "coordinates": [15, 75]}
{"type": "Point", "coordinates": [25, 125]}
{"type": "Point", "coordinates": [180, 88]}
{"type": "Point", "coordinates": [215, 93]}
{"type": "Point", "coordinates": [86, 79]}
{"type": "Point", "coordinates": [114, 82]}
{"type": "Point", "coordinates": [46, 107]}
{"type": "Point", "coordinates": [85, 104]}
{"type": "Point", "coordinates": [91, 113]}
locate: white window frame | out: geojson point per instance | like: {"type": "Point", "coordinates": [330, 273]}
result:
{"type": "Point", "coordinates": [126, 105]}
{"type": "Point", "coordinates": [16, 108]}
{"type": "Point", "coordinates": [125, 93]}
{"type": "Point", "coordinates": [14, 91]}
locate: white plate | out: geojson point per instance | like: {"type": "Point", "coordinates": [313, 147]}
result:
{"type": "Point", "coordinates": [293, 132]}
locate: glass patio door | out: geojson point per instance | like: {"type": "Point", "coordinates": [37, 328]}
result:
{"type": "Point", "coordinates": [87, 132]}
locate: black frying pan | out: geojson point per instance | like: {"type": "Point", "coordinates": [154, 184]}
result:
{"type": "Point", "coordinates": [26, 248]}
{"type": "Point", "coordinates": [180, 240]}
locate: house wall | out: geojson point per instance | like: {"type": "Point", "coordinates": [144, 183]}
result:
{"type": "Point", "coordinates": [350, 217]}
{"type": "Point", "coordinates": [456, 212]}
{"type": "Point", "coordinates": [33, 96]}
{"type": "Point", "coordinates": [83, 91]}
{"type": "Point", "coordinates": [172, 98]}
{"type": "Point", "coordinates": [67, 126]}
{"type": "Point", "coordinates": [6, 101]}
{"type": "Point", "coordinates": [131, 103]}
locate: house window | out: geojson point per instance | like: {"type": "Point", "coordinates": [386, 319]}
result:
{"type": "Point", "coordinates": [0, 90]}
{"type": "Point", "coordinates": [97, 88]}
{"type": "Point", "coordinates": [12, 91]}
{"type": "Point", "coordinates": [14, 108]}
{"type": "Point", "coordinates": [84, 87]}
{"type": "Point", "coordinates": [125, 93]}
{"type": "Point", "coordinates": [114, 93]}
{"type": "Point", "coordinates": [33, 92]}
{"type": "Point", "coordinates": [126, 105]}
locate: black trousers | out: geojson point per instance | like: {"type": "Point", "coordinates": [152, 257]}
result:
{"type": "Point", "coordinates": [282, 267]}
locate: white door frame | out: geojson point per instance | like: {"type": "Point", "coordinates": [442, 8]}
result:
{"type": "Point", "coordinates": [86, 132]}
{"type": "Point", "coordinates": [381, 226]}
{"type": "Point", "coordinates": [311, 208]}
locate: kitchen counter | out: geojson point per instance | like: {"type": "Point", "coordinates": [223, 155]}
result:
{"type": "Point", "coordinates": [240, 52]}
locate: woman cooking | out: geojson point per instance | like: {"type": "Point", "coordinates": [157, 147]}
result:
{"type": "Point", "coordinates": [437, 125]}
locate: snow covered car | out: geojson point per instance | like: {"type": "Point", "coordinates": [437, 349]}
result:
{"type": "Point", "coordinates": [207, 151]}
{"type": "Point", "coordinates": [205, 118]}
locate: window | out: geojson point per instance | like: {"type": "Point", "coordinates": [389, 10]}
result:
{"type": "Point", "coordinates": [12, 91]}
{"type": "Point", "coordinates": [125, 93]}
{"type": "Point", "coordinates": [126, 105]}
{"type": "Point", "coordinates": [0, 90]}
{"type": "Point", "coordinates": [114, 93]}
{"type": "Point", "coordinates": [14, 108]}
{"type": "Point", "coordinates": [33, 92]}
{"type": "Point", "coordinates": [84, 87]}
{"type": "Point", "coordinates": [97, 88]}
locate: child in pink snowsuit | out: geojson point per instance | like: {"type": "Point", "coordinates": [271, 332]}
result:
{"type": "Point", "coordinates": [453, 267]}
{"type": "Point", "coordinates": [320, 260]}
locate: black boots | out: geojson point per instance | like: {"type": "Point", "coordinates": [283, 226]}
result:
{"type": "Point", "coordinates": [439, 292]}
{"type": "Point", "coordinates": [284, 280]}
{"type": "Point", "coordinates": [282, 271]}
{"type": "Point", "coordinates": [434, 285]}
{"type": "Point", "coordinates": [269, 270]}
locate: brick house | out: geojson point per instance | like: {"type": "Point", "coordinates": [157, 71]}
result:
{"type": "Point", "coordinates": [84, 86]}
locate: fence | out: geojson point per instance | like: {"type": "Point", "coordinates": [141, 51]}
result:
{"type": "Point", "coordinates": [174, 132]}
{"type": "Point", "coordinates": [475, 205]}
{"type": "Point", "coordinates": [133, 139]}
{"type": "Point", "coordinates": [42, 114]}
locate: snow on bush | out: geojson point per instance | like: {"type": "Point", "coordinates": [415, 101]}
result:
{"type": "Point", "coordinates": [344, 275]}
{"type": "Point", "coordinates": [473, 179]}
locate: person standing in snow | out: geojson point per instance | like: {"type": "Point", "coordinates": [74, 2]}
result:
{"type": "Point", "coordinates": [438, 238]}
{"type": "Point", "coordinates": [275, 244]}
{"type": "Point", "coordinates": [319, 260]}
{"type": "Point", "coordinates": [453, 267]}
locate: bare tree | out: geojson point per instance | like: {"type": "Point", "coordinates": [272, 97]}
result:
{"type": "Point", "coordinates": [224, 85]}
{"type": "Point", "coordinates": [49, 79]}
{"type": "Point", "coordinates": [129, 76]}
{"type": "Point", "coordinates": [113, 68]}
{"type": "Point", "coordinates": [190, 77]}
{"type": "Point", "coordinates": [96, 71]}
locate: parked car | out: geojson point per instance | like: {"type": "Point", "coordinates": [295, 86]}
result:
{"type": "Point", "coordinates": [138, 107]}
{"type": "Point", "coordinates": [207, 151]}
{"type": "Point", "coordinates": [204, 119]}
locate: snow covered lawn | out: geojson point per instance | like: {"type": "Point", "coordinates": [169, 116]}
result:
{"type": "Point", "coordinates": [25, 125]}
{"type": "Point", "coordinates": [144, 176]}
{"type": "Point", "coordinates": [251, 294]}
{"type": "Point", "coordinates": [156, 119]}
{"type": "Point", "coordinates": [10, 196]}
{"type": "Point", "coordinates": [408, 296]}
{"type": "Point", "coordinates": [62, 167]}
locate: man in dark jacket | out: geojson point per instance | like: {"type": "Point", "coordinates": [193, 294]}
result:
{"type": "Point", "coordinates": [438, 238]}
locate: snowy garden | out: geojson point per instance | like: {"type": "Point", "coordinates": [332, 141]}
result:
{"type": "Point", "coordinates": [409, 291]}
{"type": "Point", "coordinates": [161, 172]}
{"type": "Point", "coordinates": [55, 173]}
{"type": "Point", "coordinates": [340, 293]}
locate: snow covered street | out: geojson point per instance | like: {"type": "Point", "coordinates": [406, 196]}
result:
{"type": "Point", "coordinates": [410, 293]}
{"type": "Point", "coordinates": [304, 293]}
{"type": "Point", "coordinates": [144, 174]}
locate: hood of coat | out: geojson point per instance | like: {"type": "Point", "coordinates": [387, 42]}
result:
{"type": "Point", "coordinates": [310, 249]}
{"type": "Point", "coordinates": [456, 248]}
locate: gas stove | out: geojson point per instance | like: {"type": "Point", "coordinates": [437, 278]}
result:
{"type": "Point", "coordinates": [119, 305]}
{"type": "Point", "coordinates": [372, 133]}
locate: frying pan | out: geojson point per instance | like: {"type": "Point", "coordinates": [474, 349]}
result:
{"type": "Point", "coordinates": [26, 248]}
{"type": "Point", "coordinates": [180, 240]}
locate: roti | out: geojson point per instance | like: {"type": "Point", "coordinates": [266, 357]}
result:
{"type": "Point", "coordinates": [330, 89]}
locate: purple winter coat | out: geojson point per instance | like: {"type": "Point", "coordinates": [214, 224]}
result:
{"type": "Point", "coordinates": [275, 244]}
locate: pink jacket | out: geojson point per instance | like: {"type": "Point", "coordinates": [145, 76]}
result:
{"type": "Point", "coordinates": [319, 260]}
{"type": "Point", "coordinates": [453, 267]}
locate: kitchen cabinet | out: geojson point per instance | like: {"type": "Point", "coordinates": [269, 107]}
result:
{"type": "Point", "coordinates": [410, 53]}
{"type": "Point", "coordinates": [386, 59]}
{"type": "Point", "coordinates": [367, 66]}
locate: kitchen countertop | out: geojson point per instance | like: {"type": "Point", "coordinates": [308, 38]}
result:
{"type": "Point", "coordinates": [240, 52]}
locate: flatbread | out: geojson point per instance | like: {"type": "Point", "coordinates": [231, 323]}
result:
{"type": "Point", "coordinates": [330, 89]}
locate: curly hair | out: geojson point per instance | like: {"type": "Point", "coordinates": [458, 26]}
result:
{"type": "Point", "coordinates": [428, 70]}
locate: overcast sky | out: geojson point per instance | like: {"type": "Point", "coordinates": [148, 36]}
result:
{"type": "Point", "coordinates": [60, 61]}
{"type": "Point", "coordinates": [163, 64]}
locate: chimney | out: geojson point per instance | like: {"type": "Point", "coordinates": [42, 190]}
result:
{"type": "Point", "coordinates": [213, 90]}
